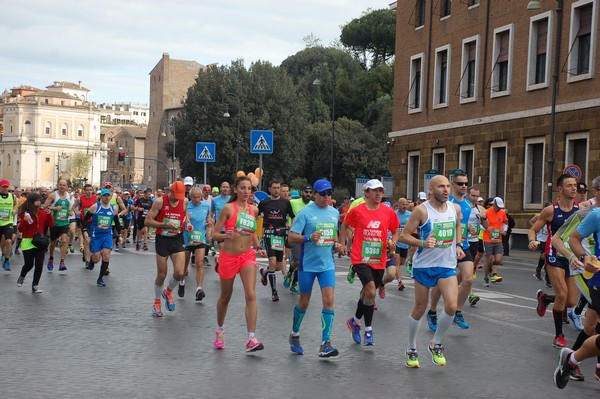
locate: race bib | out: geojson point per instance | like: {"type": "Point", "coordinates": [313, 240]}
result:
{"type": "Point", "coordinates": [372, 251]}
{"type": "Point", "coordinates": [5, 214]}
{"type": "Point", "coordinates": [104, 222]}
{"type": "Point", "coordinates": [328, 232]}
{"type": "Point", "coordinates": [495, 234]}
{"type": "Point", "coordinates": [145, 212]}
{"type": "Point", "coordinates": [245, 224]}
{"type": "Point", "coordinates": [465, 230]}
{"type": "Point", "coordinates": [444, 234]}
{"type": "Point", "coordinates": [169, 232]}
{"type": "Point", "coordinates": [195, 237]}
{"type": "Point", "coordinates": [277, 243]}
{"type": "Point", "coordinates": [475, 228]}
{"type": "Point", "coordinates": [62, 214]}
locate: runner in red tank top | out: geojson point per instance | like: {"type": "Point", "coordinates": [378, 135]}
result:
{"type": "Point", "coordinates": [83, 203]}
{"type": "Point", "coordinates": [168, 216]}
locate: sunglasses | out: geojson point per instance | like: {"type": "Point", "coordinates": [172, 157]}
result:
{"type": "Point", "coordinates": [325, 193]}
{"type": "Point", "coordinates": [11, 191]}
{"type": "Point", "coordinates": [307, 191]}
{"type": "Point", "coordinates": [461, 183]}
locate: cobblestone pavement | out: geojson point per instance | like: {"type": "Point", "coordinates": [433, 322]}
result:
{"type": "Point", "coordinates": [76, 340]}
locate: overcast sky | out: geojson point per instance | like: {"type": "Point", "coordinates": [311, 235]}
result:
{"type": "Point", "coordinates": [112, 45]}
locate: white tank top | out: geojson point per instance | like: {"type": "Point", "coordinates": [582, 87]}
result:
{"type": "Point", "coordinates": [443, 227]}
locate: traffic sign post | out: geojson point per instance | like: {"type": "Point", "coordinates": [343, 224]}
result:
{"type": "Point", "coordinates": [573, 170]}
{"type": "Point", "coordinates": [261, 142]}
{"type": "Point", "coordinates": [205, 152]}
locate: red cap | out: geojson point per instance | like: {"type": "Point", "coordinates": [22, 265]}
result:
{"type": "Point", "coordinates": [107, 184]}
{"type": "Point", "coordinates": [178, 190]}
{"type": "Point", "coordinates": [206, 187]}
{"type": "Point", "coordinates": [4, 183]}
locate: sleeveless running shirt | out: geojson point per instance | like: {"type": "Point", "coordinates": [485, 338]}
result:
{"type": "Point", "coordinates": [558, 220]}
{"type": "Point", "coordinates": [243, 223]}
{"type": "Point", "coordinates": [443, 227]}
{"type": "Point", "coordinates": [465, 207]}
{"type": "Point", "coordinates": [170, 214]}
{"type": "Point", "coordinates": [61, 216]}
{"type": "Point", "coordinates": [6, 210]}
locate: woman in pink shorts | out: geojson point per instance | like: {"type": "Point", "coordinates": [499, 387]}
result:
{"type": "Point", "coordinates": [238, 218]}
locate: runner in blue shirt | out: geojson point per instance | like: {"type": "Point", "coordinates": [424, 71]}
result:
{"type": "Point", "coordinates": [196, 240]}
{"type": "Point", "coordinates": [315, 228]}
{"type": "Point", "coordinates": [216, 205]}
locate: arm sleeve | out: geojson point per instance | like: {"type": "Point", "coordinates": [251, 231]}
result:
{"type": "Point", "coordinates": [589, 224]}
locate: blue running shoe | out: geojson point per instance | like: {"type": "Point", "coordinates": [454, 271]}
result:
{"type": "Point", "coordinates": [459, 321]}
{"type": "Point", "coordinates": [294, 289]}
{"type": "Point", "coordinates": [354, 328]}
{"type": "Point", "coordinates": [432, 321]}
{"type": "Point", "coordinates": [287, 280]}
{"type": "Point", "coordinates": [90, 265]}
{"type": "Point", "coordinates": [6, 264]}
{"type": "Point", "coordinates": [50, 264]}
{"type": "Point", "coordinates": [369, 340]}
{"type": "Point", "coordinates": [576, 319]}
{"type": "Point", "coordinates": [156, 312]}
{"type": "Point", "coordinates": [169, 300]}
{"type": "Point", "coordinates": [327, 350]}
{"type": "Point", "coordinates": [101, 283]}
{"type": "Point", "coordinates": [295, 344]}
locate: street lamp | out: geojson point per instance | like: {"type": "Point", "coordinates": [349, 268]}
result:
{"type": "Point", "coordinates": [237, 138]}
{"type": "Point", "coordinates": [166, 123]}
{"type": "Point", "coordinates": [317, 82]}
{"type": "Point", "coordinates": [535, 5]}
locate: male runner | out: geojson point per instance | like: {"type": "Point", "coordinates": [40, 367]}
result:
{"type": "Point", "coordinates": [8, 210]}
{"type": "Point", "coordinates": [558, 269]}
{"type": "Point", "coordinates": [143, 206]}
{"type": "Point", "coordinates": [100, 217]}
{"type": "Point", "coordinates": [371, 222]}
{"type": "Point", "coordinates": [218, 202]}
{"type": "Point", "coordinates": [168, 216]}
{"type": "Point", "coordinates": [297, 205]}
{"type": "Point", "coordinates": [315, 229]}
{"type": "Point", "coordinates": [60, 203]}
{"type": "Point", "coordinates": [492, 241]}
{"type": "Point", "coordinates": [275, 211]}
{"type": "Point", "coordinates": [476, 224]}
{"type": "Point", "coordinates": [84, 203]}
{"type": "Point", "coordinates": [440, 244]}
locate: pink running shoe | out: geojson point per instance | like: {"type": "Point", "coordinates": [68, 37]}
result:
{"type": "Point", "coordinates": [220, 339]}
{"type": "Point", "coordinates": [252, 345]}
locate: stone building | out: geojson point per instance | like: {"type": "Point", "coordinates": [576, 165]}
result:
{"type": "Point", "coordinates": [474, 88]}
{"type": "Point", "coordinates": [129, 140]}
{"type": "Point", "coordinates": [124, 114]}
{"type": "Point", "coordinates": [42, 132]}
{"type": "Point", "coordinates": [170, 80]}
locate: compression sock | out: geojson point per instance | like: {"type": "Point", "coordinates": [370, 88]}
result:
{"type": "Point", "coordinates": [580, 305]}
{"type": "Point", "coordinates": [444, 322]}
{"type": "Point", "coordinates": [360, 311]}
{"type": "Point", "coordinates": [326, 324]}
{"type": "Point", "coordinates": [298, 316]}
{"type": "Point", "coordinates": [413, 330]}
{"type": "Point", "coordinates": [558, 321]}
{"type": "Point", "coordinates": [580, 339]}
{"type": "Point", "coordinates": [272, 280]}
{"type": "Point", "coordinates": [103, 269]}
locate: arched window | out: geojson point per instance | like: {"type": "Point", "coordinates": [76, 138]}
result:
{"type": "Point", "coordinates": [64, 130]}
{"type": "Point", "coordinates": [80, 131]}
{"type": "Point", "coordinates": [48, 128]}
{"type": "Point", "coordinates": [27, 127]}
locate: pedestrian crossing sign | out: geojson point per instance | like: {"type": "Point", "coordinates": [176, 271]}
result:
{"type": "Point", "coordinates": [261, 141]}
{"type": "Point", "coordinates": [205, 152]}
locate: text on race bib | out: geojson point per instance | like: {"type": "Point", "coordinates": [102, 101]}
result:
{"type": "Point", "coordinates": [444, 233]}
{"type": "Point", "coordinates": [473, 230]}
{"type": "Point", "coordinates": [4, 214]}
{"type": "Point", "coordinates": [495, 234]}
{"type": "Point", "coordinates": [328, 232]}
{"type": "Point", "coordinates": [104, 222]}
{"type": "Point", "coordinates": [245, 224]}
{"type": "Point", "coordinates": [277, 243]}
{"type": "Point", "coordinates": [195, 237]}
{"type": "Point", "coordinates": [169, 232]}
{"type": "Point", "coordinates": [372, 251]}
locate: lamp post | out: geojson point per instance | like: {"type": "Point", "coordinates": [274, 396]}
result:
{"type": "Point", "coordinates": [535, 5]}
{"type": "Point", "coordinates": [237, 138]}
{"type": "Point", "coordinates": [166, 123]}
{"type": "Point", "coordinates": [317, 82]}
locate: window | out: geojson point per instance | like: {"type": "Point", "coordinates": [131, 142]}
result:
{"type": "Point", "coordinates": [583, 40]}
{"type": "Point", "coordinates": [472, 3]}
{"type": "Point", "coordinates": [47, 160]}
{"type": "Point", "coordinates": [419, 13]}
{"type": "Point", "coordinates": [533, 197]}
{"type": "Point", "coordinates": [577, 152]}
{"type": "Point", "coordinates": [8, 159]}
{"type": "Point", "coordinates": [441, 82]}
{"type": "Point", "coordinates": [502, 54]}
{"type": "Point", "coordinates": [80, 131]}
{"type": "Point", "coordinates": [438, 160]}
{"type": "Point", "coordinates": [412, 178]}
{"type": "Point", "coordinates": [469, 67]}
{"type": "Point", "coordinates": [48, 128]}
{"type": "Point", "coordinates": [466, 158]}
{"type": "Point", "coordinates": [65, 129]}
{"type": "Point", "coordinates": [416, 84]}
{"type": "Point", "coordinates": [538, 67]}
{"type": "Point", "coordinates": [446, 8]}
{"type": "Point", "coordinates": [498, 170]}
{"type": "Point", "coordinates": [45, 101]}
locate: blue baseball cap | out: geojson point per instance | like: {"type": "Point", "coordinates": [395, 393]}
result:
{"type": "Point", "coordinates": [322, 185]}
{"type": "Point", "coordinates": [105, 191]}
{"type": "Point", "coordinates": [295, 194]}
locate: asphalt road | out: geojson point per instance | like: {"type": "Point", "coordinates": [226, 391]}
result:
{"type": "Point", "coordinates": [78, 340]}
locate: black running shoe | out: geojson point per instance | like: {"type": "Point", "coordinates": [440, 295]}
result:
{"type": "Point", "coordinates": [200, 294]}
{"type": "Point", "coordinates": [181, 291]}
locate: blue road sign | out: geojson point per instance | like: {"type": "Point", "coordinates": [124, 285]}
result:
{"type": "Point", "coordinates": [261, 141]}
{"type": "Point", "coordinates": [206, 152]}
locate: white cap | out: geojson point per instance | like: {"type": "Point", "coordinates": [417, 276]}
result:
{"type": "Point", "coordinates": [422, 196]}
{"type": "Point", "coordinates": [373, 184]}
{"type": "Point", "coordinates": [499, 203]}
{"type": "Point", "coordinates": [480, 199]}
{"type": "Point", "coordinates": [188, 181]}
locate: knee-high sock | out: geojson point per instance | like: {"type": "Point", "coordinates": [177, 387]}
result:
{"type": "Point", "coordinates": [369, 310]}
{"type": "Point", "coordinates": [557, 315]}
{"type": "Point", "coordinates": [157, 291]}
{"type": "Point", "coordinates": [360, 311]}
{"type": "Point", "coordinates": [298, 316]}
{"type": "Point", "coordinates": [444, 322]}
{"type": "Point", "coordinates": [413, 330]}
{"type": "Point", "coordinates": [103, 269]}
{"type": "Point", "coordinates": [326, 324]}
{"type": "Point", "coordinates": [272, 280]}
{"type": "Point", "coordinates": [580, 305]}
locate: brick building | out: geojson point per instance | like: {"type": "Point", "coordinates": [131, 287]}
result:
{"type": "Point", "coordinates": [129, 140]}
{"type": "Point", "coordinates": [473, 90]}
{"type": "Point", "coordinates": [170, 80]}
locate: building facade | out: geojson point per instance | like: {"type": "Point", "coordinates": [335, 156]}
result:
{"type": "Point", "coordinates": [124, 114]}
{"type": "Point", "coordinates": [128, 140]}
{"type": "Point", "coordinates": [473, 90]}
{"type": "Point", "coordinates": [170, 80]}
{"type": "Point", "coordinates": [43, 132]}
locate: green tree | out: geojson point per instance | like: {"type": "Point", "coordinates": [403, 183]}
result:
{"type": "Point", "coordinates": [80, 165]}
{"type": "Point", "coordinates": [371, 37]}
